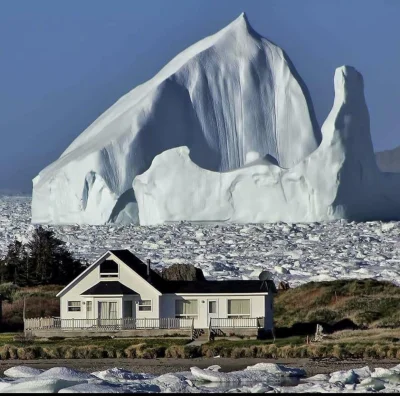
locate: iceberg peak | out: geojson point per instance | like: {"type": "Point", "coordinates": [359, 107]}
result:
{"type": "Point", "coordinates": [241, 25]}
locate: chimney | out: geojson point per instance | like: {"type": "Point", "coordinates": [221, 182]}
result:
{"type": "Point", "coordinates": [148, 268]}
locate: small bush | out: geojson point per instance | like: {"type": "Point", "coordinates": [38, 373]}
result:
{"type": "Point", "coordinates": [120, 354]}
{"type": "Point", "coordinates": [175, 352]}
{"type": "Point", "coordinates": [7, 290]}
{"type": "Point", "coordinates": [72, 353]}
{"type": "Point", "coordinates": [12, 350]}
{"type": "Point", "coordinates": [135, 351]}
{"type": "Point", "coordinates": [153, 353]}
{"type": "Point", "coordinates": [238, 353]}
{"type": "Point", "coordinates": [5, 352]}
{"type": "Point", "coordinates": [29, 353]}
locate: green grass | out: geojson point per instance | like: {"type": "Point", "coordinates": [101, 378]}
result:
{"type": "Point", "coordinates": [86, 348]}
{"type": "Point", "coordinates": [97, 341]}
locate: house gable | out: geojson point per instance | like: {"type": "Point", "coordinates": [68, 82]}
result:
{"type": "Point", "coordinates": [83, 274]}
{"type": "Point", "coordinates": [127, 275]}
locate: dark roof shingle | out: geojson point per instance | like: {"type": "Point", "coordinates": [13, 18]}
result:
{"type": "Point", "coordinates": [216, 287]}
{"type": "Point", "coordinates": [108, 288]}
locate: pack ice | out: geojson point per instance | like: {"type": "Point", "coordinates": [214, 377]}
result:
{"type": "Point", "coordinates": [231, 98]}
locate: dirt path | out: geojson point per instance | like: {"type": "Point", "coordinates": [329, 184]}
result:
{"type": "Point", "coordinates": [164, 365]}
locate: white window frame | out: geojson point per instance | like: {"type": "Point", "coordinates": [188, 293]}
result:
{"type": "Point", "coordinates": [109, 275]}
{"type": "Point", "coordinates": [236, 315]}
{"type": "Point", "coordinates": [89, 312]}
{"type": "Point", "coordinates": [149, 304]}
{"type": "Point", "coordinates": [69, 306]}
{"type": "Point", "coordinates": [195, 316]}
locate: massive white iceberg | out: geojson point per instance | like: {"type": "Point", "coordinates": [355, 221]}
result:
{"type": "Point", "coordinates": [231, 98]}
{"type": "Point", "coordinates": [224, 133]}
{"type": "Point", "coordinates": [338, 180]}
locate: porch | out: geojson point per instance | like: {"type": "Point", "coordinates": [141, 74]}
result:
{"type": "Point", "coordinates": [139, 327]}
{"type": "Point", "coordinates": [106, 324]}
{"type": "Point", "coordinates": [124, 327]}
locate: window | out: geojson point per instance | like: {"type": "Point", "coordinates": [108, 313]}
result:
{"type": "Point", "coordinates": [238, 308]}
{"type": "Point", "coordinates": [186, 308]}
{"type": "Point", "coordinates": [109, 269]}
{"type": "Point", "coordinates": [88, 310]}
{"type": "Point", "coordinates": [212, 307]}
{"type": "Point", "coordinates": [145, 305]}
{"type": "Point", "coordinates": [74, 306]}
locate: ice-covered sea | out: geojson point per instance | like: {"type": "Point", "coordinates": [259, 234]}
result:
{"type": "Point", "coordinates": [296, 253]}
{"type": "Point", "coordinates": [259, 378]}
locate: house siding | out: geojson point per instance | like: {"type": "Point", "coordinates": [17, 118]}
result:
{"type": "Point", "coordinates": [258, 307]}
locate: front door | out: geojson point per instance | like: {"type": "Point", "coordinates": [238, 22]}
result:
{"type": "Point", "coordinates": [212, 310]}
{"type": "Point", "coordinates": [128, 314]}
{"type": "Point", "coordinates": [128, 309]}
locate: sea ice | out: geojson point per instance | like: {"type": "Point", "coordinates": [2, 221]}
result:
{"type": "Point", "coordinates": [346, 250]}
{"type": "Point", "coordinates": [22, 372]}
{"type": "Point", "coordinates": [259, 378]}
{"type": "Point", "coordinates": [120, 375]}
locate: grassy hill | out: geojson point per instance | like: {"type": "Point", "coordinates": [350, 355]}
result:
{"type": "Point", "coordinates": [41, 301]}
{"type": "Point", "coordinates": [367, 303]}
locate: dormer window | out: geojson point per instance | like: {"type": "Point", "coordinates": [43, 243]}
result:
{"type": "Point", "coordinates": [109, 269]}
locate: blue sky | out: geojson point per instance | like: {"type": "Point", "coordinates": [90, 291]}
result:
{"type": "Point", "coordinates": [62, 63]}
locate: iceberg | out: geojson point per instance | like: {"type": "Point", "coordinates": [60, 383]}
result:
{"type": "Point", "coordinates": [339, 180]}
{"type": "Point", "coordinates": [232, 98]}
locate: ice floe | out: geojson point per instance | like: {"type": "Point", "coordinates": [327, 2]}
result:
{"type": "Point", "coordinates": [259, 378]}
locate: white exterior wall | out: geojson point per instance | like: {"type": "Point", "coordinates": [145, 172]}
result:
{"type": "Point", "coordinates": [258, 306]}
{"type": "Point", "coordinates": [126, 276]}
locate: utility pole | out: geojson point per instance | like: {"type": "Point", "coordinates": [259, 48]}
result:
{"type": "Point", "coordinates": [24, 309]}
{"type": "Point", "coordinates": [1, 308]}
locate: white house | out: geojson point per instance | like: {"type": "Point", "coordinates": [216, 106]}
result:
{"type": "Point", "coordinates": [119, 291]}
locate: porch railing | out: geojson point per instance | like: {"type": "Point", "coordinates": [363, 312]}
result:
{"type": "Point", "coordinates": [107, 324]}
{"type": "Point", "coordinates": [237, 322]}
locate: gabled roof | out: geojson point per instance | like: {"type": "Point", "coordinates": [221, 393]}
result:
{"type": "Point", "coordinates": [108, 288]}
{"type": "Point", "coordinates": [182, 287]}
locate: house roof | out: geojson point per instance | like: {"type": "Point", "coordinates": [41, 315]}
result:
{"type": "Point", "coordinates": [195, 287]}
{"type": "Point", "coordinates": [164, 286]}
{"type": "Point", "coordinates": [218, 287]}
{"type": "Point", "coordinates": [108, 288]}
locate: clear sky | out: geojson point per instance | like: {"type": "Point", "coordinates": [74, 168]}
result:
{"type": "Point", "coordinates": [64, 62]}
